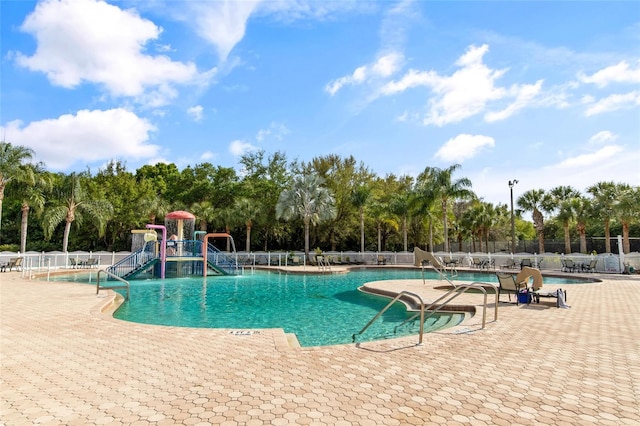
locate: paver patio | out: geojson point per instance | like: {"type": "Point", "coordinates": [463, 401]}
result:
{"type": "Point", "coordinates": [65, 362]}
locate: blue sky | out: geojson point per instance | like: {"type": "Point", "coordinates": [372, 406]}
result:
{"type": "Point", "coordinates": [544, 92]}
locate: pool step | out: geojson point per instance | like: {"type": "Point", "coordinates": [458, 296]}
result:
{"type": "Point", "coordinates": [292, 340]}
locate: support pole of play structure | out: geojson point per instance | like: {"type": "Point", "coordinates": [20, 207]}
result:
{"type": "Point", "coordinates": [163, 247]}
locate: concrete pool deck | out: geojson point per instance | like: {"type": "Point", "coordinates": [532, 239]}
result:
{"type": "Point", "coordinates": [63, 361]}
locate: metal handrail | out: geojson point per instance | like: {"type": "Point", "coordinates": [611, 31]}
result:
{"type": "Point", "coordinates": [458, 290]}
{"type": "Point", "coordinates": [115, 277]}
{"type": "Point", "coordinates": [395, 299]}
{"type": "Point", "coordinates": [442, 274]}
{"type": "Point", "coordinates": [222, 260]}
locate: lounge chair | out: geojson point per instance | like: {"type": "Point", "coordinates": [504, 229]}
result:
{"type": "Point", "coordinates": [477, 262]}
{"type": "Point", "coordinates": [14, 262]}
{"type": "Point", "coordinates": [525, 263]}
{"type": "Point", "coordinates": [536, 286]}
{"type": "Point", "coordinates": [568, 265]}
{"type": "Point", "coordinates": [381, 260]}
{"type": "Point", "coordinates": [509, 284]}
{"type": "Point", "coordinates": [591, 266]}
{"type": "Point", "coordinates": [511, 264]}
{"type": "Point", "coordinates": [450, 261]}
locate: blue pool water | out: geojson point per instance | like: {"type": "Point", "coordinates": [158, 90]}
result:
{"type": "Point", "coordinates": [321, 309]}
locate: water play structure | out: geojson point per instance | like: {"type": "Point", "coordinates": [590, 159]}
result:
{"type": "Point", "coordinates": [175, 250]}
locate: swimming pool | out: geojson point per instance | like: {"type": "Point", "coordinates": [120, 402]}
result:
{"type": "Point", "coordinates": [321, 309]}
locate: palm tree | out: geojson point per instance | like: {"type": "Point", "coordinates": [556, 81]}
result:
{"type": "Point", "coordinates": [71, 204]}
{"type": "Point", "coordinates": [227, 218]}
{"type": "Point", "coordinates": [204, 212]}
{"type": "Point", "coordinates": [583, 211]}
{"type": "Point", "coordinates": [627, 210]}
{"type": "Point", "coordinates": [488, 219]}
{"type": "Point", "coordinates": [154, 205]}
{"type": "Point", "coordinates": [13, 167]}
{"type": "Point", "coordinates": [308, 200]}
{"type": "Point", "coordinates": [604, 199]}
{"type": "Point", "coordinates": [438, 185]}
{"type": "Point", "coordinates": [248, 211]}
{"type": "Point", "coordinates": [32, 195]}
{"type": "Point", "coordinates": [380, 212]}
{"type": "Point", "coordinates": [360, 198]}
{"type": "Point", "coordinates": [400, 206]}
{"type": "Point", "coordinates": [533, 201]}
{"type": "Point", "coordinates": [560, 199]}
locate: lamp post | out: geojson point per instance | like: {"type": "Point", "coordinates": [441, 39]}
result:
{"type": "Point", "coordinates": [513, 223]}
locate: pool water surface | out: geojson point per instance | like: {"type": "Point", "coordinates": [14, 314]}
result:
{"type": "Point", "coordinates": [320, 309]}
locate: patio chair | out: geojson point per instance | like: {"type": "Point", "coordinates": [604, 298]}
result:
{"type": "Point", "coordinates": [591, 266]}
{"type": "Point", "coordinates": [450, 261]}
{"type": "Point", "coordinates": [509, 284]}
{"type": "Point", "coordinates": [525, 263]}
{"type": "Point", "coordinates": [486, 264]}
{"type": "Point", "coordinates": [511, 264]}
{"type": "Point", "coordinates": [570, 266]}
{"type": "Point", "coordinates": [536, 289]}
{"type": "Point", "coordinates": [14, 262]}
{"type": "Point", "coordinates": [381, 260]}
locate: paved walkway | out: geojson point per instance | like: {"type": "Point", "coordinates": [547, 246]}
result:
{"type": "Point", "coordinates": [65, 362]}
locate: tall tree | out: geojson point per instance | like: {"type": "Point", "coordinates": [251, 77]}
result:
{"type": "Point", "coordinates": [560, 199]}
{"type": "Point", "coordinates": [14, 167]}
{"type": "Point", "coordinates": [604, 200]}
{"type": "Point", "coordinates": [204, 213]}
{"type": "Point", "coordinates": [248, 211]}
{"type": "Point", "coordinates": [33, 196]}
{"type": "Point", "coordinates": [400, 206]}
{"type": "Point", "coordinates": [627, 210]}
{"type": "Point", "coordinates": [438, 184]}
{"type": "Point", "coordinates": [533, 201]}
{"type": "Point", "coordinates": [308, 200]}
{"type": "Point", "coordinates": [343, 177]}
{"type": "Point", "coordinates": [359, 198]}
{"type": "Point", "coordinates": [582, 211]}
{"type": "Point", "coordinates": [70, 204]}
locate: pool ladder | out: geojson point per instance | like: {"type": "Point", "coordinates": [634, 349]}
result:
{"type": "Point", "coordinates": [114, 287]}
{"type": "Point", "coordinates": [436, 306]}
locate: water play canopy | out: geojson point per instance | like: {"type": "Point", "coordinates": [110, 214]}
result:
{"type": "Point", "coordinates": [179, 214]}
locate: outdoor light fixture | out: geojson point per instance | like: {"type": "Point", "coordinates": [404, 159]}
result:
{"type": "Point", "coordinates": [513, 224]}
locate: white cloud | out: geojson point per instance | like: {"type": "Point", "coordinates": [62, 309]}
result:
{"type": "Point", "coordinates": [275, 131]}
{"type": "Point", "coordinates": [222, 23]}
{"type": "Point", "coordinates": [614, 103]}
{"type": "Point", "coordinates": [524, 95]}
{"type": "Point", "coordinates": [384, 67]}
{"type": "Point", "coordinates": [97, 42]}
{"type": "Point", "coordinates": [239, 147]}
{"type": "Point", "coordinates": [411, 79]}
{"type": "Point", "coordinates": [463, 147]}
{"type": "Point", "coordinates": [602, 137]}
{"type": "Point", "coordinates": [585, 160]}
{"type": "Point", "coordinates": [86, 137]}
{"type": "Point", "coordinates": [469, 91]}
{"type": "Point", "coordinates": [195, 112]}
{"type": "Point", "coordinates": [619, 73]}
{"type": "Point", "coordinates": [208, 155]}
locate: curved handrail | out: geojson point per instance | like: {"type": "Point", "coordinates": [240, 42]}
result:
{"type": "Point", "coordinates": [394, 300]}
{"type": "Point", "coordinates": [458, 290]}
{"type": "Point", "coordinates": [115, 277]}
